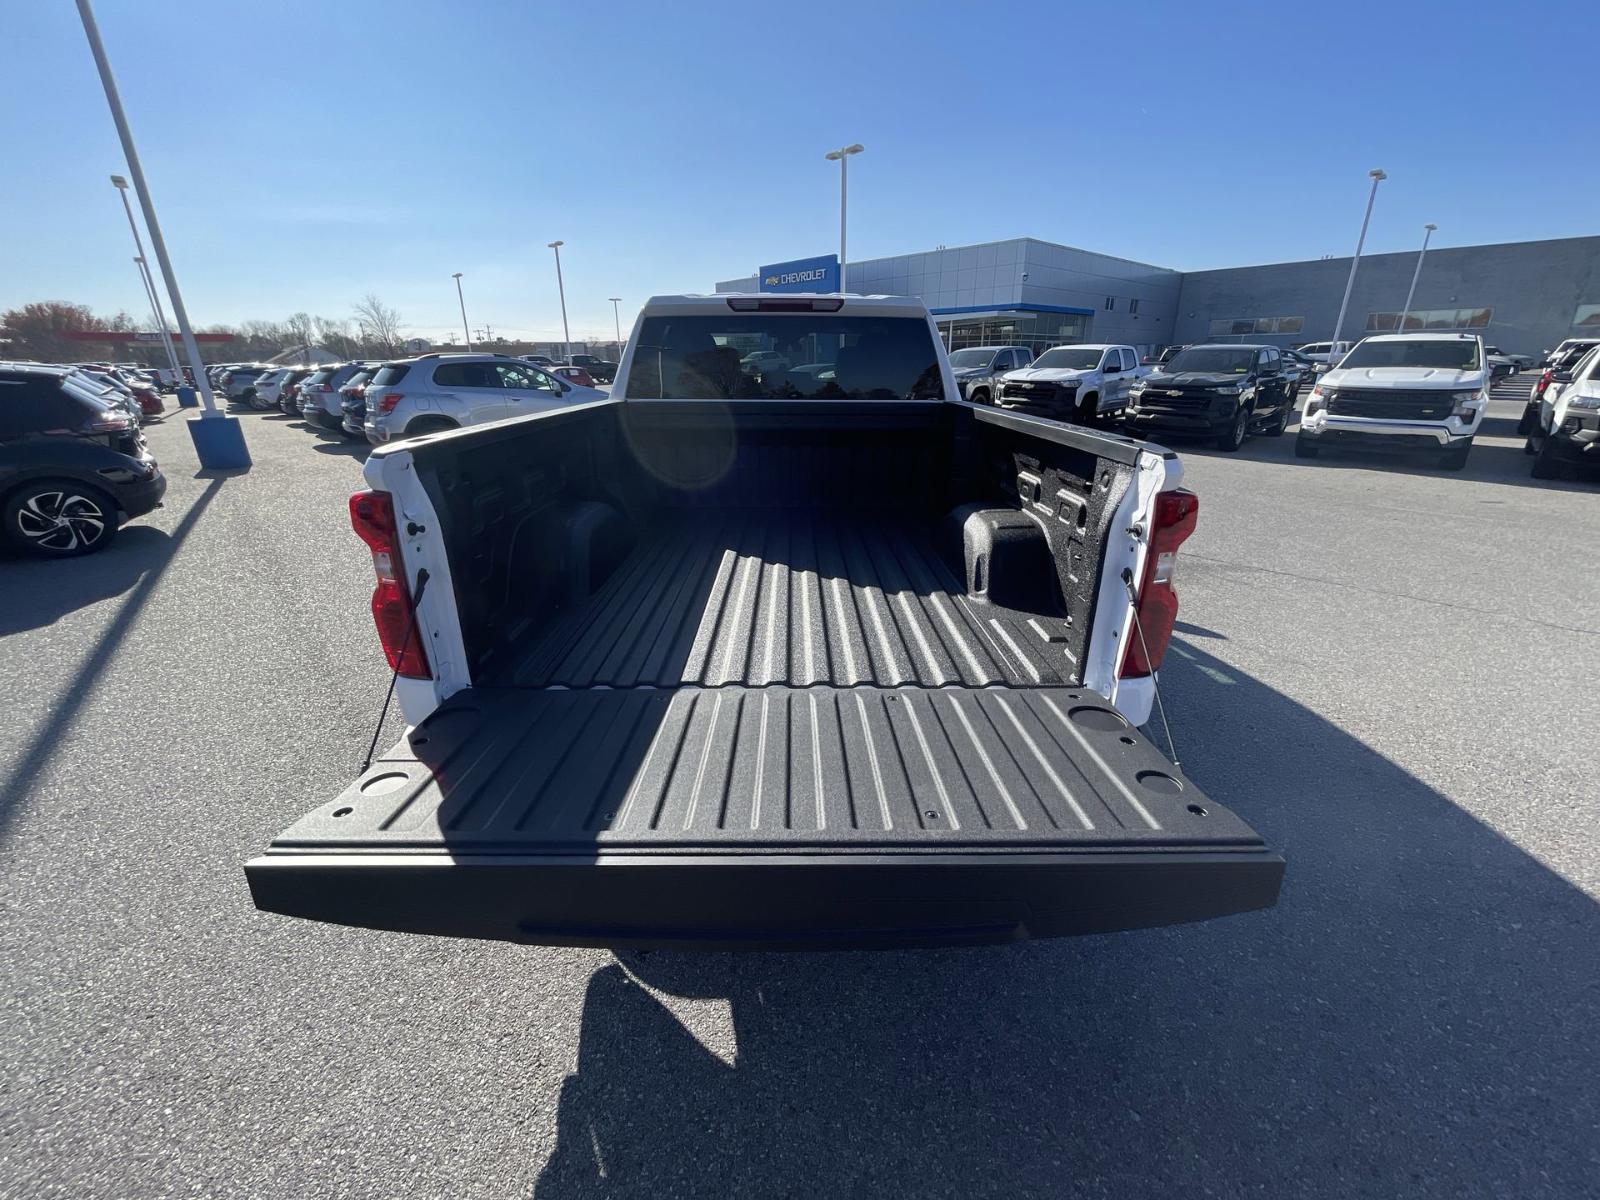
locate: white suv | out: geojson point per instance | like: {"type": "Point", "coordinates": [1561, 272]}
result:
{"type": "Point", "coordinates": [446, 391]}
{"type": "Point", "coordinates": [1427, 390]}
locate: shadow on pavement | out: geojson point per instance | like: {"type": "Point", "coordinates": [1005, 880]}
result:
{"type": "Point", "coordinates": [344, 447]}
{"type": "Point", "coordinates": [1420, 1016]}
{"type": "Point", "coordinates": [41, 592]}
{"type": "Point", "coordinates": [37, 592]}
{"type": "Point", "coordinates": [1489, 462]}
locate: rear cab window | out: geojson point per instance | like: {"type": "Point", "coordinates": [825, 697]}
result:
{"type": "Point", "coordinates": [784, 356]}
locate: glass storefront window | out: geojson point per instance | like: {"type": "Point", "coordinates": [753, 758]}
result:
{"type": "Point", "coordinates": [1430, 319]}
{"type": "Point", "coordinates": [1037, 331]}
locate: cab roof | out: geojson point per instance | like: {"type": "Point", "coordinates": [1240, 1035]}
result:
{"type": "Point", "coordinates": [787, 302]}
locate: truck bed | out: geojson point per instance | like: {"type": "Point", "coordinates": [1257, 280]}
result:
{"type": "Point", "coordinates": [770, 675]}
{"type": "Point", "coordinates": [773, 596]}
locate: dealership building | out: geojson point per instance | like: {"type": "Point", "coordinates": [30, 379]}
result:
{"type": "Point", "coordinates": [1521, 296]}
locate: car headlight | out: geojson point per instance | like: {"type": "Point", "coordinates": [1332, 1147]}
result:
{"type": "Point", "coordinates": [1137, 389]}
{"type": "Point", "coordinates": [1231, 389]}
{"type": "Point", "coordinates": [1466, 404]}
{"type": "Point", "coordinates": [1319, 399]}
{"type": "Point", "coordinates": [1584, 402]}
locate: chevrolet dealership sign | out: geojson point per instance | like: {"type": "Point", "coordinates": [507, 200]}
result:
{"type": "Point", "coordinates": [820, 274]}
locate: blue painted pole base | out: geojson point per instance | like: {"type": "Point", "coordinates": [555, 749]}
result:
{"type": "Point", "coordinates": [187, 398]}
{"type": "Point", "coordinates": [219, 441]}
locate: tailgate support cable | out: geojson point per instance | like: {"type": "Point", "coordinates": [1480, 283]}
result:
{"type": "Point", "coordinates": [1155, 676]}
{"type": "Point", "coordinates": [405, 643]}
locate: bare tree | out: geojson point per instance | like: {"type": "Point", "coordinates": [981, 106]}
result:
{"type": "Point", "coordinates": [379, 323]}
{"type": "Point", "coordinates": [334, 333]}
{"type": "Point", "coordinates": [302, 331]}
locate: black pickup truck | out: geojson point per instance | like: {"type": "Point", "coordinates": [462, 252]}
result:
{"type": "Point", "coordinates": [809, 659]}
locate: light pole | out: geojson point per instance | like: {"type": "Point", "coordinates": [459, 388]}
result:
{"type": "Point", "coordinates": [566, 335]}
{"type": "Point", "coordinates": [616, 316]}
{"type": "Point", "coordinates": [465, 332]}
{"type": "Point", "coordinates": [1377, 177]}
{"type": "Point", "coordinates": [1427, 232]}
{"type": "Point", "coordinates": [218, 438]}
{"type": "Point", "coordinates": [121, 184]}
{"type": "Point", "coordinates": [842, 157]}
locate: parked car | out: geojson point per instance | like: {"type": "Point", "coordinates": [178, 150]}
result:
{"type": "Point", "coordinates": [239, 383]}
{"type": "Point", "coordinates": [1563, 359]}
{"type": "Point", "coordinates": [319, 395]}
{"type": "Point", "coordinates": [1500, 365]}
{"type": "Point", "coordinates": [268, 388]}
{"type": "Point", "coordinates": [289, 389]}
{"type": "Point", "coordinates": [1073, 383]}
{"type": "Point", "coordinates": [353, 400]}
{"type": "Point", "coordinates": [1306, 368]}
{"type": "Point", "coordinates": [573, 374]}
{"type": "Point", "coordinates": [844, 674]}
{"type": "Point", "coordinates": [1402, 390]}
{"type": "Point", "coordinates": [72, 467]}
{"type": "Point", "coordinates": [1551, 357]}
{"type": "Point", "coordinates": [1324, 353]}
{"type": "Point", "coordinates": [1567, 430]}
{"type": "Point", "coordinates": [760, 362]}
{"type": "Point", "coordinates": [539, 360]}
{"type": "Point", "coordinates": [446, 391]}
{"type": "Point", "coordinates": [1225, 392]}
{"type": "Point", "coordinates": [602, 369]}
{"type": "Point", "coordinates": [977, 368]}
{"type": "Point", "coordinates": [104, 382]}
{"type": "Point", "coordinates": [127, 390]}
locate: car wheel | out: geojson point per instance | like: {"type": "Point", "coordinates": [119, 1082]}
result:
{"type": "Point", "coordinates": [1455, 458]}
{"type": "Point", "coordinates": [1281, 425]}
{"type": "Point", "coordinates": [1529, 418]}
{"type": "Point", "coordinates": [259, 402]}
{"type": "Point", "coordinates": [979, 396]}
{"type": "Point", "coordinates": [1233, 437]}
{"type": "Point", "coordinates": [1087, 410]}
{"type": "Point", "coordinates": [1304, 447]}
{"type": "Point", "coordinates": [423, 425]}
{"type": "Point", "coordinates": [1545, 464]}
{"type": "Point", "coordinates": [58, 518]}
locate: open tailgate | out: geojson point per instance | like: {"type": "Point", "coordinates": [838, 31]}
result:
{"type": "Point", "coordinates": [732, 817]}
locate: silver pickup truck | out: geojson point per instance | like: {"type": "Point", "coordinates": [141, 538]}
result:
{"type": "Point", "coordinates": [825, 659]}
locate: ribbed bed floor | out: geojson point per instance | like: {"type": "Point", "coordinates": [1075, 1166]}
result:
{"type": "Point", "coordinates": [768, 597]}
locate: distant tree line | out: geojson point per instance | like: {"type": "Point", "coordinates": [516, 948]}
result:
{"type": "Point", "coordinates": [38, 332]}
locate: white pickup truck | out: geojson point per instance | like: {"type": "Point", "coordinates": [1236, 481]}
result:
{"type": "Point", "coordinates": [800, 659]}
{"type": "Point", "coordinates": [1073, 383]}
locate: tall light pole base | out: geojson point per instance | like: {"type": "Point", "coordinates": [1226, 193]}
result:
{"type": "Point", "coordinates": [219, 441]}
{"type": "Point", "coordinates": [187, 398]}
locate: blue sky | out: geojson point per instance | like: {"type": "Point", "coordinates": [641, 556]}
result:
{"type": "Point", "coordinates": [305, 152]}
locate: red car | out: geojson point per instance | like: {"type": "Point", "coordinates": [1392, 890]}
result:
{"type": "Point", "coordinates": [575, 375]}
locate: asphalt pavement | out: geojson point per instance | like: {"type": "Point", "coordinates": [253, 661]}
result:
{"type": "Point", "coordinates": [1385, 668]}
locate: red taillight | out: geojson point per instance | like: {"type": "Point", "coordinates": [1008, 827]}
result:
{"type": "Point", "coordinates": [1544, 382]}
{"type": "Point", "coordinates": [388, 400]}
{"type": "Point", "coordinates": [322, 387]}
{"type": "Point", "coordinates": [372, 517]}
{"type": "Point", "coordinates": [1157, 605]}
